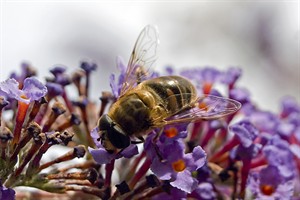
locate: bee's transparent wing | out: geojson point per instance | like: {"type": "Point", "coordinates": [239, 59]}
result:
{"type": "Point", "coordinates": [142, 58]}
{"type": "Point", "coordinates": [208, 107]}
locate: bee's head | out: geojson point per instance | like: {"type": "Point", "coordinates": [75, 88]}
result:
{"type": "Point", "coordinates": [112, 135]}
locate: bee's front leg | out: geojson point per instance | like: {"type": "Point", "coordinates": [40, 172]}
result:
{"type": "Point", "coordinates": [154, 140]}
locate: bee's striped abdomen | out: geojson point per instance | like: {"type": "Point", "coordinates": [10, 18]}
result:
{"type": "Point", "coordinates": [174, 92]}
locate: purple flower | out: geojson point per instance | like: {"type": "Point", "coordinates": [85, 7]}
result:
{"type": "Point", "coordinates": [278, 154]}
{"type": "Point", "coordinates": [54, 89]}
{"type": "Point", "coordinates": [203, 173]}
{"type": "Point", "coordinates": [285, 129]}
{"type": "Point", "coordinates": [230, 76]}
{"type": "Point", "coordinates": [60, 76]}
{"type": "Point", "coordinates": [62, 79]}
{"type": "Point", "coordinates": [169, 70]}
{"type": "Point", "coordinates": [176, 166]}
{"type": "Point", "coordinates": [289, 105]}
{"type": "Point", "coordinates": [204, 191]}
{"type": "Point", "coordinates": [116, 86]}
{"type": "Point", "coordinates": [101, 156]}
{"type": "Point", "coordinates": [245, 131]}
{"type": "Point", "coordinates": [58, 70]}
{"type": "Point", "coordinates": [6, 193]}
{"type": "Point", "coordinates": [207, 74]}
{"type": "Point", "coordinates": [171, 133]}
{"type": "Point", "coordinates": [294, 118]}
{"type": "Point", "coordinates": [204, 78]}
{"type": "Point", "coordinates": [269, 184]}
{"type": "Point", "coordinates": [240, 94]}
{"type": "Point", "coordinates": [245, 153]}
{"type": "Point", "coordinates": [32, 90]}
{"type": "Point", "coordinates": [173, 194]}
{"type": "Point", "coordinates": [264, 121]}
{"type": "Point", "coordinates": [26, 71]}
{"type": "Point", "coordinates": [88, 67]}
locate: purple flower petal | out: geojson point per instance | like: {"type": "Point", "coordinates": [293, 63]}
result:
{"type": "Point", "coordinates": [264, 121]}
{"type": "Point", "coordinates": [54, 89]}
{"type": "Point", "coordinates": [34, 89]}
{"type": "Point", "coordinates": [230, 76]}
{"type": "Point", "coordinates": [95, 136]}
{"type": "Point", "coordinates": [130, 151]}
{"type": "Point", "coordinates": [196, 159]}
{"type": "Point", "coordinates": [114, 86]}
{"type": "Point", "coordinates": [278, 154]}
{"type": "Point", "coordinates": [6, 193]}
{"type": "Point", "coordinates": [10, 88]}
{"type": "Point", "coordinates": [163, 170]}
{"type": "Point", "coordinates": [240, 94]}
{"type": "Point", "coordinates": [59, 69]}
{"type": "Point", "coordinates": [205, 191]}
{"type": "Point", "coordinates": [101, 156]}
{"type": "Point", "coordinates": [88, 67]}
{"type": "Point", "coordinates": [289, 105]}
{"type": "Point", "coordinates": [245, 131]}
{"type": "Point", "coordinates": [185, 182]}
{"type": "Point", "coordinates": [285, 129]}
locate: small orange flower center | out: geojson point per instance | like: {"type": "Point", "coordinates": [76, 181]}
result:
{"type": "Point", "coordinates": [207, 88]}
{"type": "Point", "coordinates": [267, 189]}
{"type": "Point", "coordinates": [171, 132]}
{"type": "Point", "coordinates": [23, 96]}
{"type": "Point", "coordinates": [178, 165]}
{"type": "Point", "coordinates": [203, 106]}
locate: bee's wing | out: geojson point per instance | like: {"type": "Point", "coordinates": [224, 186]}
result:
{"type": "Point", "coordinates": [208, 107]}
{"type": "Point", "coordinates": [143, 56]}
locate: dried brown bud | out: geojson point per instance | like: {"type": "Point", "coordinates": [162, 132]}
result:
{"type": "Point", "coordinates": [92, 175]}
{"type": "Point", "coordinates": [77, 75]}
{"type": "Point", "coordinates": [79, 151]}
{"type": "Point", "coordinates": [5, 134]}
{"type": "Point", "coordinates": [123, 187]}
{"type": "Point", "coordinates": [33, 129]}
{"type": "Point", "coordinates": [58, 108]}
{"type": "Point", "coordinates": [3, 102]}
{"type": "Point", "coordinates": [75, 120]}
{"type": "Point", "coordinates": [66, 137]}
{"type": "Point", "coordinates": [152, 181]}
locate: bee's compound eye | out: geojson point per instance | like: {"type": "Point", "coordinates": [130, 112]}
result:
{"type": "Point", "coordinates": [105, 122]}
{"type": "Point", "coordinates": [118, 137]}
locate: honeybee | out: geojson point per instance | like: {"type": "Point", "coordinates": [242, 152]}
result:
{"type": "Point", "coordinates": [144, 105]}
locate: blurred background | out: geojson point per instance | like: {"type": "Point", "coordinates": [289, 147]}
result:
{"type": "Point", "coordinates": [262, 38]}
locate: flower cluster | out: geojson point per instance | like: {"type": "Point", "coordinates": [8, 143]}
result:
{"type": "Point", "coordinates": [251, 154]}
{"type": "Point", "coordinates": [37, 118]}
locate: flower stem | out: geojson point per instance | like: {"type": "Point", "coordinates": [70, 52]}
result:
{"type": "Point", "coordinates": [134, 165]}
{"type": "Point", "coordinates": [109, 170]}
{"type": "Point", "coordinates": [78, 151]}
{"type": "Point", "coordinates": [67, 101]}
{"type": "Point", "coordinates": [20, 118]}
{"type": "Point", "coordinates": [244, 175]}
{"type": "Point", "coordinates": [210, 133]}
{"type": "Point", "coordinates": [140, 173]}
{"type": "Point", "coordinates": [258, 162]}
{"type": "Point", "coordinates": [232, 143]}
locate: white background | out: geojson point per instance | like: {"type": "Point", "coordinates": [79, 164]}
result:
{"type": "Point", "coordinates": [261, 37]}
